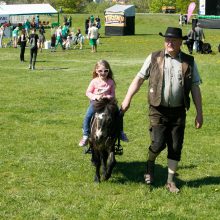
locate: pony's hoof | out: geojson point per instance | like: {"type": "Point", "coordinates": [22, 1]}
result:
{"type": "Point", "coordinates": [106, 177]}
{"type": "Point", "coordinates": [96, 179]}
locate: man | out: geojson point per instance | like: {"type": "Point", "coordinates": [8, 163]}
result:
{"type": "Point", "coordinates": [200, 37]}
{"type": "Point", "coordinates": [27, 26]}
{"type": "Point", "coordinates": [172, 76]}
{"type": "Point", "coordinates": [93, 35]}
{"type": "Point", "coordinates": [192, 36]}
{"type": "Point", "coordinates": [33, 40]}
{"type": "Point", "coordinates": [1, 35]}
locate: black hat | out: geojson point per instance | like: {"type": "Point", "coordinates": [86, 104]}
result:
{"type": "Point", "coordinates": [173, 33]}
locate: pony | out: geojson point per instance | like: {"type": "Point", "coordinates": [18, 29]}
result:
{"type": "Point", "coordinates": [105, 129]}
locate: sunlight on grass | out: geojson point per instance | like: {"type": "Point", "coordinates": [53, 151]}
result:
{"type": "Point", "coordinates": [45, 175]}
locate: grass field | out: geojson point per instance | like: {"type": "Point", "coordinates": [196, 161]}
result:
{"type": "Point", "coordinates": [43, 172]}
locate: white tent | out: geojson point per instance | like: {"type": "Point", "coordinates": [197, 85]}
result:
{"type": "Point", "coordinates": [25, 10]}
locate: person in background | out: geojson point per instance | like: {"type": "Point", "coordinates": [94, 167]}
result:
{"type": "Point", "coordinates": [53, 43]}
{"type": "Point", "coordinates": [33, 41]}
{"type": "Point", "coordinates": [192, 36]}
{"type": "Point", "coordinates": [87, 26]}
{"type": "Point", "coordinates": [93, 35]}
{"type": "Point", "coordinates": [15, 33]}
{"type": "Point", "coordinates": [79, 39]}
{"type": "Point", "coordinates": [37, 20]}
{"type": "Point", "coordinates": [64, 33]}
{"type": "Point", "coordinates": [98, 22]}
{"type": "Point", "coordinates": [200, 37]}
{"type": "Point", "coordinates": [181, 20]}
{"type": "Point", "coordinates": [1, 35]}
{"type": "Point", "coordinates": [27, 27]}
{"type": "Point", "coordinates": [41, 27]}
{"type": "Point", "coordinates": [61, 10]}
{"type": "Point", "coordinates": [69, 21]}
{"type": "Point", "coordinates": [172, 75]}
{"type": "Point", "coordinates": [91, 21]}
{"type": "Point", "coordinates": [41, 39]}
{"type": "Point", "coordinates": [59, 39]}
{"type": "Point", "coordinates": [33, 23]}
{"type": "Point", "coordinates": [22, 40]}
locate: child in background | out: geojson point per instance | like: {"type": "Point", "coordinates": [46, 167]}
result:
{"type": "Point", "coordinates": [101, 86]}
{"type": "Point", "coordinates": [53, 43]}
{"type": "Point", "coordinates": [79, 39]}
{"type": "Point", "coordinates": [41, 39]}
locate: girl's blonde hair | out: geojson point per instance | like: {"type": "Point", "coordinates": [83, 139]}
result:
{"type": "Point", "coordinates": [107, 66]}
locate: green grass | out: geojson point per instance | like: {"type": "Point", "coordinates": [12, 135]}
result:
{"type": "Point", "coordinates": [43, 172]}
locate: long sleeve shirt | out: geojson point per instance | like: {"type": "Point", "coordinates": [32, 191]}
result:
{"type": "Point", "coordinates": [99, 87]}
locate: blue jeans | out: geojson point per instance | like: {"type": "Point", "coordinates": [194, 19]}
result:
{"type": "Point", "coordinates": [86, 124]}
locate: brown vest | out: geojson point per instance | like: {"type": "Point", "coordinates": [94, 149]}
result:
{"type": "Point", "coordinates": [156, 77]}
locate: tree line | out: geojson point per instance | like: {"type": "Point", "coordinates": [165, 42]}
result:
{"type": "Point", "coordinates": [85, 6]}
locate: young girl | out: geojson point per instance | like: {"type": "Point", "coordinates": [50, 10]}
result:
{"type": "Point", "coordinates": [79, 39]}
{"type": "Point", "coordinates": [41, 39]}
{"type": "Point", "coordinates": [101, 86]}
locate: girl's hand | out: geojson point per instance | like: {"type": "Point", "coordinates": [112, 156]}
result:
{"type": "Point", "coordinates": [106, 97]}
{"type": "Point", "coordinates": [98, 97]}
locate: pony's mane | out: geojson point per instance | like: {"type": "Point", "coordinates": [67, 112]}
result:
{"type": "Point", "coordinates": [102, 104]}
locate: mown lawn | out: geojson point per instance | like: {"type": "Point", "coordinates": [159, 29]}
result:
{"type": "Point", "coordinates": [43, 172]}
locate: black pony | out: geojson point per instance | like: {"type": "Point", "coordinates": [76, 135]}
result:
{"type": "Point", "coordinates": [104, 133]}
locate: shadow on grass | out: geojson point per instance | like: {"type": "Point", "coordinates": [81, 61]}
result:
{"type": "Point", "coordinates": [208, 180]}
{"type": "Point", "coordinates": [52, 68]}
{"type": "Point", "coordinates": [134, 172]}
{"type": "Point", "coordinates": [146, 34]}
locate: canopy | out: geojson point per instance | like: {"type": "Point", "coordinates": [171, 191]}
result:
{"type": "Point", "coordinates": [27, 9]}
{"type": "Point", "coordinates": [126, 10]}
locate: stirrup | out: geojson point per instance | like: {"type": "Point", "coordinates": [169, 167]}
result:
{"type": "Point", "coordinates": [118, 148]}
{"type": "Point", "coordinates": [87, 150]}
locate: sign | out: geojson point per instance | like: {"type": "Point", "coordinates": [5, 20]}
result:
{"type": "Point", "coordinates": [4, 19]}
{"type": "Point", "coordinates": [115, 20]}
{"type": "Point", "coordinates": [202, 7]}
{"type": "Point", "coordinates": [20, 18]}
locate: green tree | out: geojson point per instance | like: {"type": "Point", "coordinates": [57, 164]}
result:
{"type": "Point", "coordinates": [141, 5]}
{"type": "Point", "coordinates": [156, 5]}
{"type": "Point", "coordinates": [71, 6]}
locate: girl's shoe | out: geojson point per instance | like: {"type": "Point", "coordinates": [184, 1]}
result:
{"type": "Point", "coordinates": [124, 137]}
{"type": "Point", "coordinates": [84, 141]}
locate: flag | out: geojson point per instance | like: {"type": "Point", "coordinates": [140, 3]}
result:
{"type": "Point", "coordinates": [191, 8]}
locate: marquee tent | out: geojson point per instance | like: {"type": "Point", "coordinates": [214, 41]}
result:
{"type": "Point", "coordinates": [7, 12]}
{"type": "Point", "coordinates": [120, 20]}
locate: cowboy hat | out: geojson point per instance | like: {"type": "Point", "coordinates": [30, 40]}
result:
{"type": "Point", "coordinates": [173, 33]}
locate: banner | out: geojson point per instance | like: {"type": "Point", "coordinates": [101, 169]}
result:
{"type": "Point", "coordinates": [15, 19]}
{"type": "Point", "coordinates": [115, 20]}
{"type": "Point", "coordinates": [191, 8]}
{"type": "Point", "coordinates": [202, 7]}
{"type": "Point", "coordinates": [4, 19]}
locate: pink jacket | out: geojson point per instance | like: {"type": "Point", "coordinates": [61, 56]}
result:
{"type": "Point", "coordinates": [99, 87]}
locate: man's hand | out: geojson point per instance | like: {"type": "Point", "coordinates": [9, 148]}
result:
{"type": "Point", "coordinates": [125, 106]}
{"type": "Point", "coordinates": [198, 121]}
